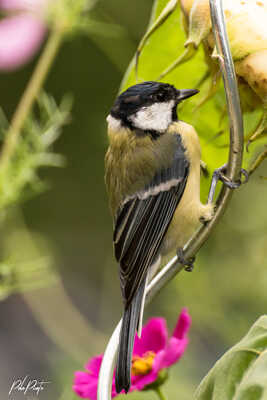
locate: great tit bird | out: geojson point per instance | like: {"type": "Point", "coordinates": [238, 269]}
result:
{"type": "Point", "coordinates": [153, 181]}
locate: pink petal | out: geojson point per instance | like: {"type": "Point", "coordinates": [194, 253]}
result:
{"type": "Point", "coordinates": [94, 364]}
{"type": "Point", "coordinates": [85, 385]}
{"type": "Point", "coordinates": [183, 325]}
{"type": "Point", "coordinates": [21, 36]}
{"type": "Point", "coordinates": [140, 381]}
{"type": "Point", "coordinates": [22, 4]}
{"type": "Point", "coordinates": [154, 337]}
{"type": "Point", "coordinates": [81, 377]}
{"type": "Point", "coordinates": [171, 354]}
{"type": "Point", "coordinates": [158, 363]}
{"type": "Point", "coordinates": [88, 391]}
{"type": "Point", "coordinates": [12, 4]}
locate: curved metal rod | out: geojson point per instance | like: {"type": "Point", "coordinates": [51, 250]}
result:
{"type": "Point", "coordinates": [233, 173]}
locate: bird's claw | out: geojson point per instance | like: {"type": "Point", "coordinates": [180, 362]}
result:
{"type": "Point", "coordinates": [220, 173]}
{"type": "Point", "coordinates": [188, 264]}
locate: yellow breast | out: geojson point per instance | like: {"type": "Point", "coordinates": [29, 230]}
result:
{"type": "Point", "coordinates": [190, 208]}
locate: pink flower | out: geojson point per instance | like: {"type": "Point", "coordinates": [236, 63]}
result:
{"type": "Point", "coordinates": [22, 31]}
{"type": "Point", "coordinates": [152, 353]}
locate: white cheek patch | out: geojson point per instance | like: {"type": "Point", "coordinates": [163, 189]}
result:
{"type": "Point", "coordinates": [156, 117]}
{"type": "Point", "coordinates": [113, 123]}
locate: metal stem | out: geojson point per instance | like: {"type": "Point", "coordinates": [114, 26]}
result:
{"type": "Point", "coordinates": [233, 173]}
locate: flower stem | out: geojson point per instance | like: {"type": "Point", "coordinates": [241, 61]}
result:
{"type": "Point", "coordinates": [30, 93]}
{"type": "Point", "coordinates": [160, 393]}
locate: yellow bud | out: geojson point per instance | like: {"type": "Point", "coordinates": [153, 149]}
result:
{"type": "Point", "coordinates": [199, 22]}
{"type": "Point", "coordinates": [253, 69]}
{"type": "Point", "coordinates": [246, 26]}
{"type": "Point", "coordinates": [249, 99]}
{"type": "Point", "coordinates": [245, 21]}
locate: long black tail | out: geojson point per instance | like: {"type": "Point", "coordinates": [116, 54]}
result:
{"type": "Point", "coordinates": [127, 335]}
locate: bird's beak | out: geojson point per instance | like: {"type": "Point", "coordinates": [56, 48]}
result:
{"type": "Point", "coordinates": [185, 93]}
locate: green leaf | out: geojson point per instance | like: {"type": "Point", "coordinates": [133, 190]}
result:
{"type": "Point", "coordinates": [241, 374]}
{"type": "Point", "coordinates": [34, 150]}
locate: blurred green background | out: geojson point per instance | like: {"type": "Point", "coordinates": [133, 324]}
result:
{"type": "Point", "coordinates": [50, 332]}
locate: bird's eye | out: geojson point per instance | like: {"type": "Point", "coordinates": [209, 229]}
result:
{"type": "Point", "coordinates": [160, 96]}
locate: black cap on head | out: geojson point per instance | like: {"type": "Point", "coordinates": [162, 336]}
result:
{"type": "Point", "coordinates": [139, 95]}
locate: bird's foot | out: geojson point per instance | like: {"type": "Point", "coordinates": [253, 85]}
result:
{"type": "Point", "coordinates": [220, 175]}
{"type": "Point", "coordinates": [189, 264]}
{"type": "Point", "coordinates": [207, 213]}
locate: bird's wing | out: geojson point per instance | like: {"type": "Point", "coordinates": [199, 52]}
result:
{"type": "Point", "coordinates": [143, 220]}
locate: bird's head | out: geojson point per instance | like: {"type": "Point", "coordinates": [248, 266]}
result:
{"type": "Point", "coordinates": [149, 107]}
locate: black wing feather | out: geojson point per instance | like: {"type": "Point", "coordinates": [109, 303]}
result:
{"type": "Point", "coordinates": [143, 220]}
